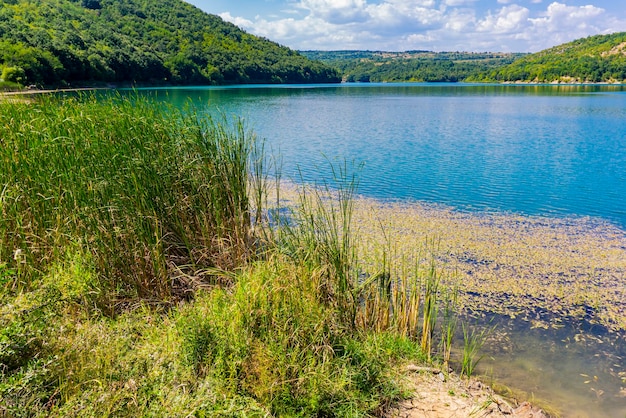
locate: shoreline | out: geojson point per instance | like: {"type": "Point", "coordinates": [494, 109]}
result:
{"type": "Point", "coordinates": [27, 91]}
{"type": "Point", "coordinates": [44, 91]}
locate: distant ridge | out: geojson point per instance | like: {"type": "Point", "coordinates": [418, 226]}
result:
{"type": "Point", "coordinates": [596, 59]}
{"type": "Point", "coordinates": [79, 42]}
{"type": "Point", "coordinates": [411, 66]}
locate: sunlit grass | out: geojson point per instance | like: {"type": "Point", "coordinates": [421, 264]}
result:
{"type": "Point", "coordinates": [138, 276]}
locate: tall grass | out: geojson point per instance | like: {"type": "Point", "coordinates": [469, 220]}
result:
{"type": "Point", "coordinates": [388, 295]}
{"type": "Point", "coordinates": [156, 195]}
{"type": "Point", "coordinates": [473, 341]}
{"type": "Point", "coordinates": [321, 233]}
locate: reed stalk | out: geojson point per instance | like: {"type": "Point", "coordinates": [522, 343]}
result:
{"type": "Point", "coordinates": [473, 342]}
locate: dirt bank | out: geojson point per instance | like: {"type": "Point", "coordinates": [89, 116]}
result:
{"type": "Point", "coordinates": [439, 396]}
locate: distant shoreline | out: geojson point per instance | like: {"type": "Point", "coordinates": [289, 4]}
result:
{"type": "Point", "coordinates": [27, 92]}
{"type": "Point", "coordinates": [42, 91]}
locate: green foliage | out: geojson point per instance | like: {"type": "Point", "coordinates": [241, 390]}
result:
{"type": "Point", "coordinates": [61, 42]}
{"type": "Point", "coordinates": [271, 339]}
{"type": "Point", "coordinates": [13, 75]}
{"type": "Point", "coordinates": [414, 66]}
{"type": "Point", "coordinates": [600, 58]}
{"type": "Point", "coordinates": [265, 346]}
{"type": "Point", "coordinates": [155, 196]}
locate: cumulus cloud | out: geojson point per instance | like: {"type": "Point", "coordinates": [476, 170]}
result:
{"type": "Point", "coordinates": [559, 16]}
{"type": "Point", "coordinates": [456, 3]}
{"type": "Point", "coordinates": [239, 21]}
{"type": "Point", "coordinates": [430, 24]}
{"type": "Point", "coordinates": [508, 19]}
{"type": "Point", "coordinates": [336, 11]}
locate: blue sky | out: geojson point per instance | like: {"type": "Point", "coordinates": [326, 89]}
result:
{"type": "Point", "coordinates": [438, 25]}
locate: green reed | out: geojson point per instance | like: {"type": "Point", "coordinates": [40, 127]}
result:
{"type": "Point", "coordinates": [386, 295]}
{"type": "Point", "coordinates": [473, 341]}
{"type": "Point", "coordinates": [154, 194]}
{"type": "Point", "coordinates": [320, 232]}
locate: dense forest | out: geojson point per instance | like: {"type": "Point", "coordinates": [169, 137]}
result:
{"type": "Point", "coordinates": [600, 58]}
{"type": "Point", "coordinates": [418, 66]}
{"type": "Point", "coordinates": [78, 42]}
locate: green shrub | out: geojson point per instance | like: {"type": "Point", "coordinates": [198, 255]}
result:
{"type": "Point", "coordinates": [15, 75]}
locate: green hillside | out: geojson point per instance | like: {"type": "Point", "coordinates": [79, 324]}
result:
{"type": "Point", "coordinates": [419, 66]}
{"type": "Point", "coordinates": [74, 42]}
{"type": "Point", "coordinates": [600, 58]}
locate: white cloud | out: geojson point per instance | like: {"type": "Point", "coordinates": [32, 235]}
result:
{"type": "Point", "coordinates": [559, 16]}
{"type": "Point", "coordinates": [508, 19]}
{"type": "Point", "coordinates": [239, 21]}
{"type": "Point", "coordinates": [336, 11]}
{"type": "Point", "coordinates": [456, 3]}
{"type": "Point", "coordinates": [460, 21]}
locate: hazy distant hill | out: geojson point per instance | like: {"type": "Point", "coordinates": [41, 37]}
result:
{"type": "Point", "coordinates": [380, 66]}
{"type": "Point", "coordinates": [595, 59]}
{"type": "Point", "coordinates": [57, 42]}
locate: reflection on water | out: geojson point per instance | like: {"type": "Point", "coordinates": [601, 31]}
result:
{"type": "Point", "coordinates": [578, 370]}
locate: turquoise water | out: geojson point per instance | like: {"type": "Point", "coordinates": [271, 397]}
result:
{"type": "Point", "coordinates": [538, 150]}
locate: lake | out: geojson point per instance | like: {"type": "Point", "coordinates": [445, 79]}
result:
{"type": "Point", "coordinates": [551, 151]}
{"type": "Point", "coordinates": [538, 150]}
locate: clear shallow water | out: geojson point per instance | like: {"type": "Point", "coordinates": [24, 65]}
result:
{"type": "Point", "coordinates": [555, 151]}
{"type": "Point", "coordinates": [539, 150]}
{"type": "Point", "coordinates": [576, 370]}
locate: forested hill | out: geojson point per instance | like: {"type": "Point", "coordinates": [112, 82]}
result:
{"type": "Point", "coordinates": [600, 58]}
{"type": "Point", "coordinates": [73, 42]}
{"type": "Point", "coordinates": [421, 66]}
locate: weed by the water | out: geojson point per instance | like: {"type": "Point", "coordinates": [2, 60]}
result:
{"type": "Point", "coordinates": [473, 341]}
{"type": "Point", "coordinates": [110, 210]}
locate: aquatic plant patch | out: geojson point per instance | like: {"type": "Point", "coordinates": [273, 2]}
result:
{"type": "Point", "coordinates": [542, 270]}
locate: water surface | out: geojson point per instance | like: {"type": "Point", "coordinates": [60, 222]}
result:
{"type": "Point", "coordinates": [539, 150]}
